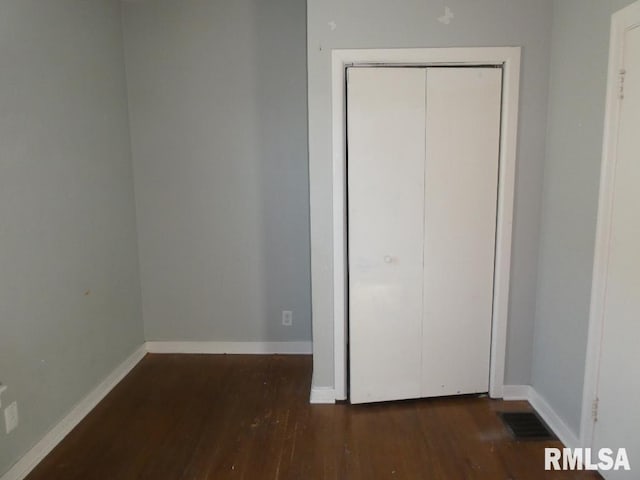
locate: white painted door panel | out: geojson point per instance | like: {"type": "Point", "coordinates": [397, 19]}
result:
{"type": "Point", "coordinates": [386, 130]}
{"type": "Point", "coordinates": [461, 185]}
{"type": "Point", "coordinates": [618, 388]}
{"type": "Point", "coordinates": [422, 193]}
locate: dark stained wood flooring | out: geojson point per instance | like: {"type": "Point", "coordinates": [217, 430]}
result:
{"type": "Point", "coordinates": [184, 417]}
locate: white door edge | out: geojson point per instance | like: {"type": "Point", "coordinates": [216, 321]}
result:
{"type": "Point", "coordinates": [620, 21]}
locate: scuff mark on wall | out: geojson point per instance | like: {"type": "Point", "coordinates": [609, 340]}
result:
{"type": "Point", "coordinates": [447, 17]}
{"type": "Point", "coordinates": [333, 25]}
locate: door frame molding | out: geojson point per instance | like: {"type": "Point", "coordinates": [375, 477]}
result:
{"type": "Point", "coordinates": [509, 59]}
{"type": "Point", "coordinates": [622, 20]}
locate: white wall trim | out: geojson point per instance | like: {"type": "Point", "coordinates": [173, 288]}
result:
{"type": "Point", "coordinates": [516, 392]}
{"type": "Point", "coordinates": [509, 58]}
{"type": "Point", "coordinates": [620, 21]}
{"type": "Point", "coordinates": [253, 348]}
{"type": "Point", "coordinates": [553, 420]}
{"type": "Point", "coordinates": [542, 407]}
{"type": "Point", "coordinates": [319, 395]}
{"type": "Point", "coordinates": [41, 449]}
{"type": "Point", "coordinates": [322, 395]}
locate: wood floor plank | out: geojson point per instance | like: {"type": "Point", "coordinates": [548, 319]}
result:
{"type": "Point", "coordinates": [248, 417]}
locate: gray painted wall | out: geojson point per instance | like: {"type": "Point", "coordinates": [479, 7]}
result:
{"type": "Point", "coordinates": [218, 120]}
{"type": "Point", "coordinates": [580, 46]}
{"type": "Point", "coordinates": [217, 100]}
{"type": "Point", "coordinates": [414, 23]}
{"type": "Point", "coordinates": [69, 287]}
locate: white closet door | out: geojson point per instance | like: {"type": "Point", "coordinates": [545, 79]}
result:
{"type": "Point", "coordinates": [618, 388]}
{"type": "Point", "coordinates": [386, 136]}
{"type": "Point", "coordinates": [461, 185]}
{"type": "Point", "coordinates": [422, 193]}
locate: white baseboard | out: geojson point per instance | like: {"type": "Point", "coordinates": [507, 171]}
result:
{"type": "Point", "coordinates": [321, 395]}
{"type": "Point", "coordinates": [253, 348]}
{"type": "Point", "coordinates": [548, 414]}
{"type": "Point", "coordinates": [41, 449]}
{"type": "Point", "coordinates": [553, 420]}
{"type": "Point", "coordinates": [516, 392]}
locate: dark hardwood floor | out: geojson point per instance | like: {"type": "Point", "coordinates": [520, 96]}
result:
{"type": "Point", "coordinates": [248, 417]}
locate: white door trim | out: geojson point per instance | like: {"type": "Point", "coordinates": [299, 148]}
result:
{"type": "Point", "coordinates": [620, 21]}
{"type": "Point", "coordinates": [509, 59]}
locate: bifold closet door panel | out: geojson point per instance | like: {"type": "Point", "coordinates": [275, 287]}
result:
{"type": "Point", "coordinates": [461, 185]}
{"type": "Point", "coordinates": [386, 151]}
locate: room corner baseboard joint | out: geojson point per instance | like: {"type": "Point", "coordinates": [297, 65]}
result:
{"type": "Point", "coordinates": [546, 412]}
